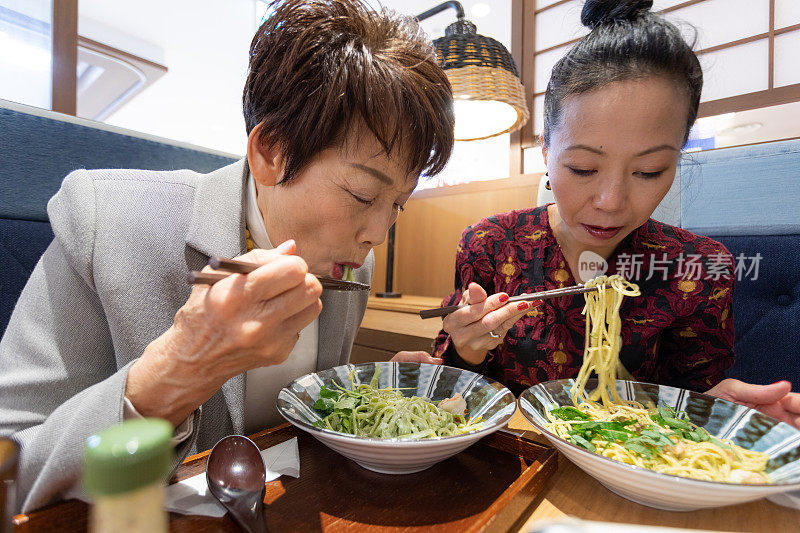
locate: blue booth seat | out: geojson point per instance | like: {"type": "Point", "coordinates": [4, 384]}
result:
{"type": "Point", "coordinates": [747, 197]}
{"type": "Point", "coordinates": [38, 149]}
{"type": "Point", "coordinates": [766, 309]}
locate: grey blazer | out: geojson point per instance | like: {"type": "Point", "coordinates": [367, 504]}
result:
{"type": "Point", "coordinates": [109, 283]}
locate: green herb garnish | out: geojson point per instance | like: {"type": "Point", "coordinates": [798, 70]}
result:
{"type": "Point", "coordinates": [348, 274]}
{"type": "Point", "coordinates": [583, 443]}
{"type": "Point", "coordinates": [569, 413]}
{"type": "Point", "coordinates": [641, 449]}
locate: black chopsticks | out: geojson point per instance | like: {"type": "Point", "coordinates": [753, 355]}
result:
{"type": "Point", "coordinates": [233, 266]}
{"type": "Point", "coordinates": [543, 295]}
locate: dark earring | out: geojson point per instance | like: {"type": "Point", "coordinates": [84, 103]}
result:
{"type": "Point", "coordinates": [547, 183]}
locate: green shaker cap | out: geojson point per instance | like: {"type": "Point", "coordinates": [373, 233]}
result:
{"type": "Point", "coordinates": [128, 456]}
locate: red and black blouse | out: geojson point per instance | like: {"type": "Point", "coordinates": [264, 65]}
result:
{"type": "Point", "coordinates": [679, 332]}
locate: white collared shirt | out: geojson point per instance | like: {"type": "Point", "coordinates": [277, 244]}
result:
{"type": "Point", "coordinates": [263, 384]}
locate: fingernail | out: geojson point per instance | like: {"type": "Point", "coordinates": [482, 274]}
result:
{"type": "Point", "coordinates": [503, 298]}
{"type": "Point", "coordinates": [779, 381]}
{"type": "Point", "coordinates": [522, 306]}
{"type": "Point", "coordinates": [285, 246]}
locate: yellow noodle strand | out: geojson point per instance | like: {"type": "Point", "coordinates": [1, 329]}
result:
{"type": "Point", "coordinates": [713, 459]}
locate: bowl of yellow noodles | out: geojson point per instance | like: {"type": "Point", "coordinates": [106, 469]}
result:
{"type": "Point", "coordinates": [396, 418]}
{"type": "Point", "coordinates": [667, 447]}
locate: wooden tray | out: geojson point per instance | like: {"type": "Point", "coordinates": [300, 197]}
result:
{"type": "Point", "coordinates": [487, 487]}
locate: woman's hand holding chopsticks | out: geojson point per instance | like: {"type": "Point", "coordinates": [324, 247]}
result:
{"type": "Point", "coordinates": [476, 329]}
{"type": "Point", "coordinates": [242, 322]}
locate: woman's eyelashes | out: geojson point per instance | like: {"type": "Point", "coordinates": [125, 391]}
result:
{"type": "Point", "coordinates": [650, 175]}
{"type": "Point", "coordinates": [581, 171]}
{"type": "Point", "coordinates": [641, 174]}
{"type": "Point", "coordinates": [370, 201]}
{"type": "Point", "coordinates": [365, 201]}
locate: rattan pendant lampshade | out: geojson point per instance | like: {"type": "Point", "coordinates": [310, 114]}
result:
{"type": "Point", "coordinates": [489, 97]}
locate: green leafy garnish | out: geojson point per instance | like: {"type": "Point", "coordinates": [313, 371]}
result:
{"type": "Point", "coordinates": [346, 403]}
{"type": "Point", "coordinates": [641, 449]}
{"type": "Point", "coordinates": [325, 392]}
{"type": "Point", "coordinates": [670, 427]}
{"type": "Point", "coordinates": [611, 435]}
{"type": "Point", "coordinates": [617, 425]}
{"type": "Point", "coordinates": [324, 404]}
{"type": "Point", "coordinates": [348, 274]}
{"type": "Point", "coordinates": [696, 435]}
{"type": "Point", "coordinates": [583, 443]}
{"type": "Point", "coordinates": [656, 438]}
{"type": "Point", "coordinates": [607, 431]}
{"type": "Point", "coordinates": [569, 413]}
{"type": "Point", "coordinates": [669, 421]}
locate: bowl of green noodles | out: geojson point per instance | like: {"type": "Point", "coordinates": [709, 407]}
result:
{"type": "Point", "coordinates": [667, 447]}
{"type": "Point", "coordinates": [396, 418]}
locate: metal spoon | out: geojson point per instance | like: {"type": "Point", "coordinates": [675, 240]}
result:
{"type": "Point", "coordinates": [236, 476]}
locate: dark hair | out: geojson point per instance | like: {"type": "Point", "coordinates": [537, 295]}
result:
{"type": "Point", "coordinates": [319, 69]}
{"type": "Point", "coordinates": [627, 41]}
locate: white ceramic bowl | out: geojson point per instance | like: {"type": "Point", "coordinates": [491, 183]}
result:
{"type": "Point", "coordinates": [485, 397]}
{"type": "Point", "coordinates": [748, 428]}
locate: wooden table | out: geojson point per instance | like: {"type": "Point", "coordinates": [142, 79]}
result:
{"type": "Point", "coordinates": [487, 487]}
{"type": "Point", "coordinates": [571, 492]}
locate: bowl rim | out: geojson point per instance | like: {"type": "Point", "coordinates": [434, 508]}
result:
{"type": "Point", "coordinates": [393, 442]}
{"type": "Point", "coordinates": [785, 487]}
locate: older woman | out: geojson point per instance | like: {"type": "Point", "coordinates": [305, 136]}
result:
{"type": "Point", "coordinates": [345, 108]}
{"type": "Point", "coordinates": [618, 109]}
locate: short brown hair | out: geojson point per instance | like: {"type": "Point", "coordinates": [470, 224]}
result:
{"type": "Point", "coordinates": [319, 68]}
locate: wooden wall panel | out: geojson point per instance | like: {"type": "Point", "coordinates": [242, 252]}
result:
{"type": "Point", "coordinates": [65, 56]}
{"type": "Point", "coordinates": [379, 277]}
{"type": "Point", "coordinates": [427, 233]}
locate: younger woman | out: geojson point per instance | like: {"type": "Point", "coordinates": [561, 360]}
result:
{"type": "Point", "coordinates": [618, 109]}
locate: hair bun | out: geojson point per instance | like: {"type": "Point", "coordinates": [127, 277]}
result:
{"type": "Point", "coordinates": [596, 12]}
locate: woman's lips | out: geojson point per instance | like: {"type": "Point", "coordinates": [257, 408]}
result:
{"type": "Point", "coordinates": [602, 232]}
{"type": "Point", "coordinates": [338, 269]}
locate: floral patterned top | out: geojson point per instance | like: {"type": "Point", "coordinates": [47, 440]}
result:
{"type": "Point", "coordinates": [679, 332]}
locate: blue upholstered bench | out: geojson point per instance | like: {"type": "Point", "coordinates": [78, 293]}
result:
{"type": "Point", "coordinates": [37, 150]}
{"type": "Point", "coordinates": [748, 198]}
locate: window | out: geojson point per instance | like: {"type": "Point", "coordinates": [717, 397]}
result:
{"type": "Point", "coordinates": [749, 50]}
{"type": "Point", "coordinates": [166, 69]}
{"type": "Point", "coordinates": [26, 59]}
{"type": "Point", "coordinates": [107, 78]}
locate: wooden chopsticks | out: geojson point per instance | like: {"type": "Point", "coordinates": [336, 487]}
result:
{"type": "Point", "coordinates": [543, 295]}
{"type": "Point", "coordinates": [234, 266]}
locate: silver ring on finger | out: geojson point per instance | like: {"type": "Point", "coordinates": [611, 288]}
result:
{"type": "Point", "coordinates": [493, 335]}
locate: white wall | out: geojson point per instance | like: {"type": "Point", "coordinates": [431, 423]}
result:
{"type": "Point", "coordinates": [203, 43]}
{"type": "Point", "coordinates": [25, 57]}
